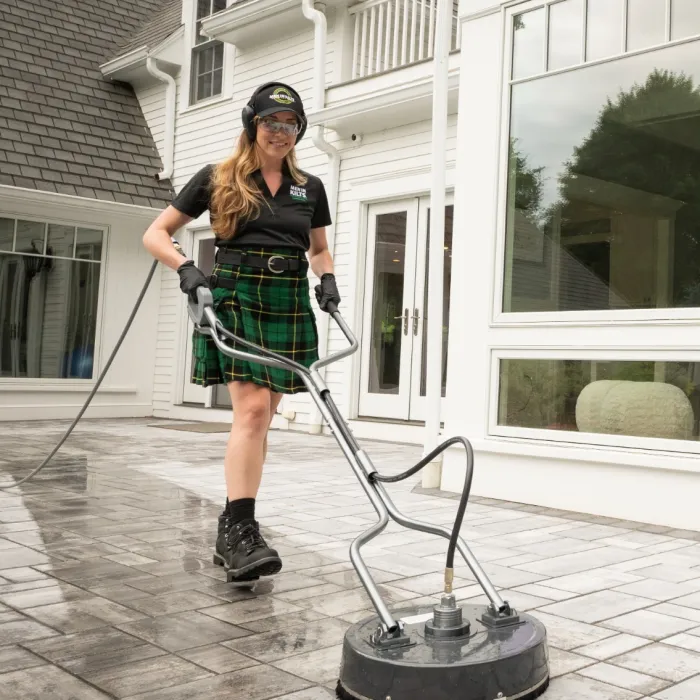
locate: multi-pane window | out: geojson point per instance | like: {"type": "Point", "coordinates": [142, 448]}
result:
{"type": "Point", "coordinates": [207, 56]}
{"type": "Point", "coordinates": [49, 289]}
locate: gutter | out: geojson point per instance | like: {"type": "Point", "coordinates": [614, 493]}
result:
{"type": "Point", "coordinates": [170, 93]}
{"type": "Point", "coordinates": [319, 140]}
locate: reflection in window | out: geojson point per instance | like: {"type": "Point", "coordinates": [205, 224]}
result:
{"type": "Point", "coordinates": [387, 311]}
{"type": "Point", "coordinates": [646, 23]}
{"type": "Point", "coordinates": [641, 399]}
{"type": "Point", "coordinates": [528, 44]}
{"type": "Point", "coordinates": [604, 33]}
{"type": "Point", "coordinates": [7, 233]}
{"type": "Point", "coordinates": [48, 302]}
{"type": "Point", "coordinates": [685, 18]}
{"type": "Point", "coordinates": [604, 191]}
{"type": "Point", "coordinates": [565, 34]}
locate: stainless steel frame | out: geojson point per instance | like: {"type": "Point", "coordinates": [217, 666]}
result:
{"type": "Point", "coordinates": [206, 322]}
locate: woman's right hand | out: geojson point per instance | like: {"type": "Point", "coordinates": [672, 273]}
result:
{"type": "Point", "coordinates": [191, 278]}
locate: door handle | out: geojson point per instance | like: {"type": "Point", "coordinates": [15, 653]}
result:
{"type": "Point", "coordinates": [404, 316]}
{"type": "Point", "coordinates": [415, 318]}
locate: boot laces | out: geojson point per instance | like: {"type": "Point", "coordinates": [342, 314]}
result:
{"type": "Point", "coordinates": [249, 537]}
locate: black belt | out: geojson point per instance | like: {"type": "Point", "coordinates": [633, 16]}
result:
{"type": "Point", "coordinates": [274, 263]}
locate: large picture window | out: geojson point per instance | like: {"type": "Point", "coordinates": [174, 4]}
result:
{"type": "Point", "coordinates": [603, 196]}
{"type": "Point", "coordinates": [49, 289]}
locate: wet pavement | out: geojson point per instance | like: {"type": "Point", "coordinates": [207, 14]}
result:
{"type": "Point", "coordinates": [107, 588]}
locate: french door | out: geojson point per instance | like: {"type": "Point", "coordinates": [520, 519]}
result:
{"type": "Point", "coordinates": [393, 364]}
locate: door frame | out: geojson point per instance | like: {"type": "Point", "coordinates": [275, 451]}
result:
{"type": "Point", "coordinates": [407, 405]}
{"type": "Point", "coordinates": [378, 187]}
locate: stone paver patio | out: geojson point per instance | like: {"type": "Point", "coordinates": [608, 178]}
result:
{"type": "Point", "coordinates": [107, 589]}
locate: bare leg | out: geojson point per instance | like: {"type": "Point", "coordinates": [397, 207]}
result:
{"type": "Point", "coordinates": [274, 403]}
{"type": "Point", "coordinates": [245, 451]}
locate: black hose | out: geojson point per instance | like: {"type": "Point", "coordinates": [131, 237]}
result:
{"type": "Point", "coordinates": [375, 476]}
{"type": "Point", "coordinates": [97, 383]}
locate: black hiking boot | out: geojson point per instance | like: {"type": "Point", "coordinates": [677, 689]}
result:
{"type": "Point", "coordinates": [246, 556]}
{"type": "Point", "coordinates": [225, 523]}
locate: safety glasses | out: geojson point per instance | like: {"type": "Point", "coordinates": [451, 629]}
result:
{"type": "Point", "coordinates": [274, 127]}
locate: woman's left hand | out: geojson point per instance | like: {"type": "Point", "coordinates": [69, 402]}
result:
{"type": "Point", "coordinates": [327, 291]}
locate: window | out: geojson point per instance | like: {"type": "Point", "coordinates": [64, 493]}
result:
{"type": "Point", "coordinates": [603, 198]}
{"type": "Point", "coordinates": [49, 289]}
{"type": "Point", "coordinates": [207, 56]}
{"type": "Point", "coordinates": [630, 398]}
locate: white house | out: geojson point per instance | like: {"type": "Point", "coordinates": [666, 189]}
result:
{"type": "Point", "coordinates": [572, 231]}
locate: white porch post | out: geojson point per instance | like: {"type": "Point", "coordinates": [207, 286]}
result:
{"type": "Point", "coordinates": [433, 317]}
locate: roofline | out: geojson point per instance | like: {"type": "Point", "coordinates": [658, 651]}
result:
{"type": "Point", "coordinates": [137, 57]}
{"type": "Point", "coordinates": [25, 194]}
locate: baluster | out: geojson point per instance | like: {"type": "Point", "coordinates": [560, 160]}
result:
{"type": "Point", "coordinates": [363, 53]}
{"type": "Point", "coordinates": [387, 45]}
{"type": "Point", "coordinates": [431, 29]}
{"type": "Point", "coordinates": [372, 45]}
{"type": "Point", "coordinates": [414, 29]}
{"type": "Point", "coordinates": [380, 39]}
{"type": "Point", "coordinates": [421, 40]}
{"type": "Point", "coordinates": [356, 48]}
{"type": "Point", "coordinates": [397, 33]}
{"type": "Point", "coordinates": [404, 47]}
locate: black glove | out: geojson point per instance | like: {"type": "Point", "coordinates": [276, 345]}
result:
{"type": "Point", "coordinates": [191, 277]}
{"type": "Point", "coordinates": [327, 291]}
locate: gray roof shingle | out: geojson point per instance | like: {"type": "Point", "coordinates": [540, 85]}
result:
{"type": "Point", "coordinates": [63, 127]}
{"type": "Point", "coordinates": [166, 21]}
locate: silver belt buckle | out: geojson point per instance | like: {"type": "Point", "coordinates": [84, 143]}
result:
{"type": "Point", "coordinates": [269, 264]}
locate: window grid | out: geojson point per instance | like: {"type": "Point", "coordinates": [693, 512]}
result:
{"type": "Point", "coordinates": [206, 83]}
{"type": "Point", "coordinates": [44, 253]}
{"type": "Point", "coordinates": [584, 59]}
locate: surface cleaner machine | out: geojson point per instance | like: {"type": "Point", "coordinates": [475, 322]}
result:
{"type": "Point", "coordinates": [444, 652]}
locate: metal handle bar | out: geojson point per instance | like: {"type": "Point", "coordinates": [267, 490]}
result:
{"type": "Point", "coordinates": [205, 321]}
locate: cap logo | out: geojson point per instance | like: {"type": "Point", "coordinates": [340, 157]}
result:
{"type": "Point", "coordinates": [282, 95]}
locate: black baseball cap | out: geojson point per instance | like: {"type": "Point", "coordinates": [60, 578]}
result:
{"type": "Point", "coordinates": [277, 98]}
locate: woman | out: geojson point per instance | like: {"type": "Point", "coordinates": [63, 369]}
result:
{"type": "Point", "coordinates": [267, 215]}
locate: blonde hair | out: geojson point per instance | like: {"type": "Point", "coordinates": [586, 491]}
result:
{"type": "Point", "coordinates": [235, 195]}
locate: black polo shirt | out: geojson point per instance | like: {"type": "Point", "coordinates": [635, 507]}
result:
{"type": "Point", "coordinates": [284, 221]}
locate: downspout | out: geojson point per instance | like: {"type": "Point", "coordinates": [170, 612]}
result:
{"type": "Point", "coordinates": [319, 140]}
{"type": "Point", "coordinates": [169, 148]}
{"type": "Point", "coordinates": [432, 474]}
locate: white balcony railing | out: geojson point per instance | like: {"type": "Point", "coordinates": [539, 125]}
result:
{"type": "Point", "coordinates": [393, 33]}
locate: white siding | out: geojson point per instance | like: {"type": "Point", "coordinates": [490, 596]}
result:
{"type": "Point", "coordinates": [152, 101]}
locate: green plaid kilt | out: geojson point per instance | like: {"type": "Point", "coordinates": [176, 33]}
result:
{"type": "Point", "coordinates": [268, 309]}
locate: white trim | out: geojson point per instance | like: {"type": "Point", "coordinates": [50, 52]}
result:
{"type": "Point", "coordinates": [591, 353]}
{"type": "Point", "coordinates": [587, 453]}
{"type": "Point", "coordinates": [26, 195]}
{"type": "Point", "coordinates": [369, 102]}
{"type": "Point", "coordinates": [51, 386]}
{"type": "Point", "coordinates": [211, 102]}
{"type": "Point", "coordinates": [402, 183]}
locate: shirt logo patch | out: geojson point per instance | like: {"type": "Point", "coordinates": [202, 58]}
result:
{"type": "Point", "coordinates": [297, 193]}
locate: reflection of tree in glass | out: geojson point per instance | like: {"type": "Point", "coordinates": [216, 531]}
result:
{"type": "Point", "coordinates": [648, 139]}
{"type": "Point", "coordinates": [528, 183]}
